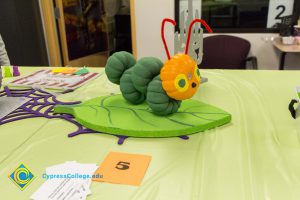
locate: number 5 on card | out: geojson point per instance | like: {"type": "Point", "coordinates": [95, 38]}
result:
{"type": "Point", "coordinates": [123, 168]}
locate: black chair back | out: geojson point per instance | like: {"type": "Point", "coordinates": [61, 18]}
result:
{"type": "Point", "coordinates": [225, 52]}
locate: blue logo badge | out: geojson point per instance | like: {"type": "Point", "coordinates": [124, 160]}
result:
{"type": "Point", "coordinates": [21, 176]}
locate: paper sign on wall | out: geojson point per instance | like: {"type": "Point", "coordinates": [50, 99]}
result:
{"type": "Point", "coordinates": [279, 9]}
{"type": "Point", "coordinates": [123, 168]}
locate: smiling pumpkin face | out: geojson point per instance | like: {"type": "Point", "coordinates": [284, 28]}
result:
{"type": "Point", "coordinates": [180, 77]}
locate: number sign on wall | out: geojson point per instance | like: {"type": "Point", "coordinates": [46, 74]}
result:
{"type": "Point", "coordinates": [279, 9]}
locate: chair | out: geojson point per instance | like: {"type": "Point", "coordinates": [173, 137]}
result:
{"type": "Point", "coordinates": [226, 52]}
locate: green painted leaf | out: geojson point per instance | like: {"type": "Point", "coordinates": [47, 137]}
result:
{"type": "Point", "coordinates": [113, 115]}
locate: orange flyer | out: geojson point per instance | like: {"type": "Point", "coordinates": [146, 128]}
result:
{"type": "Point", "coordinates": [123, 168]}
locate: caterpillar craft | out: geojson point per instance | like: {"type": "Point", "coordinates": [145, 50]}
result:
{"type": "Point", "coordinates": [162, 85]}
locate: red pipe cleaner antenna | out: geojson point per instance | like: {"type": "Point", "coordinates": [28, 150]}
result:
{"type": "Point", "coordinates": [190, 31]}
{"type": "Point", "coordinates": [163, 34]}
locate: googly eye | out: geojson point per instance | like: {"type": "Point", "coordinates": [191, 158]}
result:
{"type": "Point", "coordinates": [197, 73]}
{"type": "Point", "coordinates": [181, 83]}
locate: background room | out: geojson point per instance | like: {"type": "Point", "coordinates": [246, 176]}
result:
{"type": "Point", "coordinates": [143, 100]}
{"type": "Point", "coordinates": [86, 32]}
{"type": "Point", "coordinates": [252, 20]}
{"type": "Point", "coordinates": [64, 32]}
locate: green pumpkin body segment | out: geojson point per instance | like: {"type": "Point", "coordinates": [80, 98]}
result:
{"type": "Point", "coordinates": [129, 92]}
{"type": "Point", "coordinates": [140, 81]}
{"type": "Point", "coordinates": [117, 64]}
{"type": "Point", "coordinates": [158, 99]}
{"type": "Point", "coordinates": [144, 71]}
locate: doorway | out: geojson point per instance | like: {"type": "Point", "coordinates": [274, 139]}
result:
{"type": "Point", "coordinates": [88, 31]}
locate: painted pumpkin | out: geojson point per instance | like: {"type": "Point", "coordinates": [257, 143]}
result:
{"type": "Point", "coordinates": [180, 77]}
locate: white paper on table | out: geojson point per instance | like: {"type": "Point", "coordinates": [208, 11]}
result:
{"type": "Point", "coordinates": [66, 188]}
{"type": "Point", "coordinates": [10, 104]}
{"type": "Point", "coordinates": [72, 168]}
{"type": "Point", "coordinates": [81, 192]}
{"type": "Point", "coordinates": [62, 189]}
{"type": "Point", "coordinates": [61, 168]}
{"type": "Point", "coordinates": [53, 189]}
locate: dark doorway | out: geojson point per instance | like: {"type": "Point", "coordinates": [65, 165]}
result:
{"type": "Point", "coordinates": [117, 13]}
{"type": "Point", "coordinates": [22, 31]}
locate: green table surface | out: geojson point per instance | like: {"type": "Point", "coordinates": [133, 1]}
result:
{"type": "Point", "coordinates": [255, 157]}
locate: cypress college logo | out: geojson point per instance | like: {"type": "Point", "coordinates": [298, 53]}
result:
{"type": "Point", "coordinates": [21, 176]}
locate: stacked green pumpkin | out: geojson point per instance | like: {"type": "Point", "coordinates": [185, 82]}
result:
{"type": "Point", "coordinates": [140, 81]}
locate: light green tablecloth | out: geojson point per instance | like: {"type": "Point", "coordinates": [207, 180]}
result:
{"type": "Point", "coordinates": [256, 157]}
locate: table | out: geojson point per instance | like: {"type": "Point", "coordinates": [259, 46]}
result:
{"type": "Point", "coordinates": [257, 156]}
{"type": "Point", "coordinates": [284, 49]}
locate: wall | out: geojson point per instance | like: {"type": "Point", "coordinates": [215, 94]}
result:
{"type": "Point", "coordinates": [149, 15]}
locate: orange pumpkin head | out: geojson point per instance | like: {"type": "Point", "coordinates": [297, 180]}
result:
{"type": "Point", "coordinates": [180, 77]}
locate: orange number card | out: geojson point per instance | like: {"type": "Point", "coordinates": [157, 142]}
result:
{"type": "Point", "coordinates": [123, 168]}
